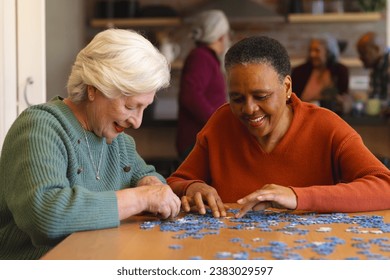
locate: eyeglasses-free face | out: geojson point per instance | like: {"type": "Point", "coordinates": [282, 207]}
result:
{"type": "Point", "coordinates": [258, 100]}
{"type": "Point", "coordinates": [108, 117]}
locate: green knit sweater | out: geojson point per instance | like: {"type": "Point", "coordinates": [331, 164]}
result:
{"type": "Point", "coordinates": [48, 182]}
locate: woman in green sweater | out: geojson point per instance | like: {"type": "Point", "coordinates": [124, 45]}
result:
{"type": "Point", "coordinates": [67, 166]}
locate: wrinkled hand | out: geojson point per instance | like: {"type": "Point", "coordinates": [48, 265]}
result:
{"type": "Point", "coordinates": [269, 195]}
{"type": "Point", "coordinates": [159, 200]}
{"type": "Point", "coordinates": [149, 180]}
{"type": "Point", "coordinates": [199, 193]}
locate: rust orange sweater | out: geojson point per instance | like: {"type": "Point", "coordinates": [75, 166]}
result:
{"type": "Point", "coordinates": [320, 157]}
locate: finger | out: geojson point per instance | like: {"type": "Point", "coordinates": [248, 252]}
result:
{"type": "Point", "coordinates": [165, 212]}
{"type": "Point", "coordinates": [199, 203]}
{"type": "Point", "coordinates": [211, 201]}
{"type": "Point", "coordinates": [267, 196]}
{"type": "Point", "coordinates": [221, 207]}
{"type": "Point", "coordinates": [171, 209]}
{"type": "Point", "coordinates": [250, 197]}
{"type": "Point", "coordinates": [185, 204]}
{"type": "Point", "coordinates": [247, 207]}
{"type": "Point", "coordinates": [177, 202]}
{"type": "Point", "coordinates": [174, 209]}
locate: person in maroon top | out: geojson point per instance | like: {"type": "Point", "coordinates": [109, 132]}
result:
{"type": "Point", "coordinates": [202, 85]}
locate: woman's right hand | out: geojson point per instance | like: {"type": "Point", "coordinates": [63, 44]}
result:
{"type": "Point", "coordinates": [156, 199]}
{"type": "Point", "coordinates": [198, 194]}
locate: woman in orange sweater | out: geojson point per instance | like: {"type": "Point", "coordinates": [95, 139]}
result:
{"type": "Point", "coordinates": [267, 148]}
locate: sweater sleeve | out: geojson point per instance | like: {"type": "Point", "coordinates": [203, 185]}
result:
{"type": "Point", "coordinates": [45, 206]}
{"type": "Point", "coordinates": [360, 187]}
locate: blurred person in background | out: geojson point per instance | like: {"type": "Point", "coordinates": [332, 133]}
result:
{"type": "Point", "coordinates": [322, 79]}
{"type": "Point", "coordinates": [375, 56]}
{"type": "Point", "coordinates": [202, 85]}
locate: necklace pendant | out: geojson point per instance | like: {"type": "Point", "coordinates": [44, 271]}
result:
{"type": "Point", "coordinates": [91, 158]}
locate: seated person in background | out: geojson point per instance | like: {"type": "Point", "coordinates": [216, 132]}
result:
{"type": "Point", "coordinates": [267, 148]}
{"type": "Point", "coordinates": [375, 56]}
{"type": "Point", "coordinates": [322, 79]}
{"type": "Point", "coordinates": [202, 85]}
{"type": "Point", "coordinates": [68, 166]}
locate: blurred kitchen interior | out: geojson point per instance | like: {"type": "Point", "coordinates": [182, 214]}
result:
{"type": "Point", "coordinates": [70, 24]}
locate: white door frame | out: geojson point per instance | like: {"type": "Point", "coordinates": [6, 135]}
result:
{"type": "Point", "coordinates": [8, 75]}
{"type": "Point", "coordinates": [22, 58]}
{"type": "Point", "coordinates": [31, 55]}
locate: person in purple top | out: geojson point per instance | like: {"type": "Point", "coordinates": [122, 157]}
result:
{"type": "Point", "coordinates": [202, 85]}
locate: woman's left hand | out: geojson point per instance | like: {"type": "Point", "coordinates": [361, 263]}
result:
{"type": "Point", "coordinates": [269, 195]}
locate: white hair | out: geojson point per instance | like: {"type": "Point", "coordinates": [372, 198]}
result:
{"type": "Point", "coordinates": [117, 62]}
{"type": "Point", "coordinates": [209, 26]}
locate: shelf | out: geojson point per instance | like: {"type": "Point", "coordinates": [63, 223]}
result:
{"type": "Point", "coordinates": [132, 22]}
{"type": "Point", "coordinates": [334, 17]}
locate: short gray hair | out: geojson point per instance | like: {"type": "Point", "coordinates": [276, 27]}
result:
{"type": "Point", "coordinates": [117, 62]}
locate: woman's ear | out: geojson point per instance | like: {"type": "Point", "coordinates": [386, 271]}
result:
{"type": "Point", "coordinates": [287, 84]}
{"type": "Point", "coordinates": [91, 92]}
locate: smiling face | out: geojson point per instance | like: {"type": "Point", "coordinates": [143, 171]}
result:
{"type": "Point", "coordinates": [258, 100]}
{"type": "Point", "coordinates": [109, 117]}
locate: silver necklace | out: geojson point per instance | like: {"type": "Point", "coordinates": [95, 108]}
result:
{"type": "Point", "coordinates": [97, 168]}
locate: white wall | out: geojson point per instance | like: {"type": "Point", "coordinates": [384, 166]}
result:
{"type": "Point", "coordinates": [65, 37]}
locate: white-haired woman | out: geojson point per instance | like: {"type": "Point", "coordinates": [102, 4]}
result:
{"type": "Point", "coordinates": [67, 165]}
{"type": "Point", "coordinates": [202, 85]}
{"type": "Point", "coordinates": [322, 78]}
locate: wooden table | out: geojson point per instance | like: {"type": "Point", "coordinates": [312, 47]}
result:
{"type": "Point", "coordinates": [130, 242]}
